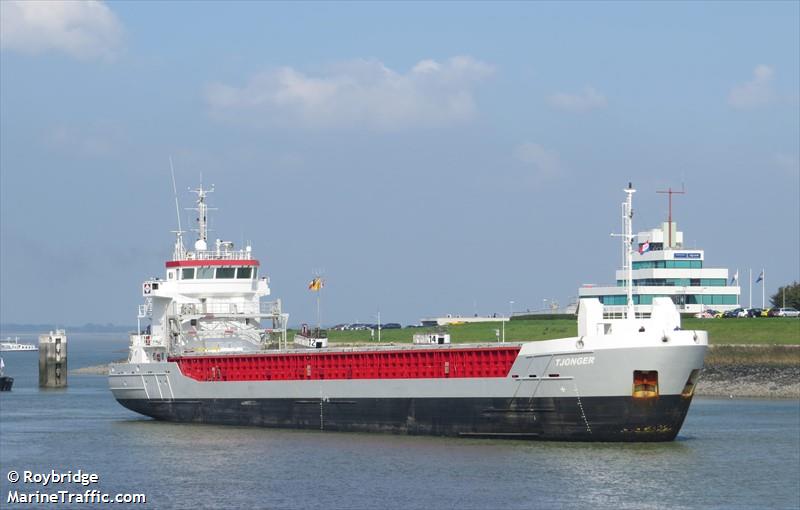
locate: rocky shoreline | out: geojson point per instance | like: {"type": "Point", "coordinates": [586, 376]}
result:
{"type": "Point", "coordinates": [751, 371]}
{"type": "Point", "coordinates": [749, 381]}
{"type": "Point", "coordinates": [731, 371]}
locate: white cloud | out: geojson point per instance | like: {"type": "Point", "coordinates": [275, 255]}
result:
{"type": "Point", "coordinates": [85, 29]}
{"type": "Point", "coordinates": [589, 99]}
{"type": "Point", "coordinates": [355, 93]}
{"type": "Point", "coordinates": [756, 92]}
{"type": "Point", "coordinates": [545, 163]}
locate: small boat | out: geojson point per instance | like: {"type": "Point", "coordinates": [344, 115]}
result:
{"type": "Point", "coordinates": [12, 344]}
{"type": "Point", "coordinates": [5, 381]}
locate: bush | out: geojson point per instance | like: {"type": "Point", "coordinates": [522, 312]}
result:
{"type": "Point", "coordinates": [792, 296]}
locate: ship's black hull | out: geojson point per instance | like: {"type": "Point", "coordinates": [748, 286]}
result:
{"type": "Point", "coordinates": [559, 419]}
{"type": "Point", "coordinates": [6, 383]}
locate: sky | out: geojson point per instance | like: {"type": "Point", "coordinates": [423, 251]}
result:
{"type": "Point", "coordinates": [426, 158]}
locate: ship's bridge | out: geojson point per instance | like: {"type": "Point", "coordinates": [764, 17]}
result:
{"type": "Point", "coordinates": [206, 269]}
{"type": "Point", "coordinates": [217, 272]}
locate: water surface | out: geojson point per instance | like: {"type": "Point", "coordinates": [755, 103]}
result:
{"type": "Point", "coordinates": [729, 454]}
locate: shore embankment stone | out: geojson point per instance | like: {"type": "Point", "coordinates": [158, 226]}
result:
{"type": "Point", "coordinates": [751, 371]}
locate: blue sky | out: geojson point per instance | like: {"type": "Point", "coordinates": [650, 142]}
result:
{"type": "Point", "coordinates": [430, 158]}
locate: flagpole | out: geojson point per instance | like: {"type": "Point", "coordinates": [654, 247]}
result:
{"type": "Point", "coordinates": [763, 285]}
{"type": "Point", "coordinates": [750, 279]}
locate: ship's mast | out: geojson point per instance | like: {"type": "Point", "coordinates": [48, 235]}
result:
{"type": "Point", "coordinates": [627, 246]}
{"type": "Point", "coordinates": [628, 222]}
{"type": "Point", "coordinates": [202, 217]}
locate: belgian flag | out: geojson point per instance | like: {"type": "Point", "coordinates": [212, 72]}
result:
{"type": "Point", "coordinates": [316, 284]}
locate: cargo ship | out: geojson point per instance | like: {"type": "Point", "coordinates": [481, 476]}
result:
{"type": "Point", "coordinates": [208, 350]}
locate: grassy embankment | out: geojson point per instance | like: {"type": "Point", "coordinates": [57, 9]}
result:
{"type": "Point", "coordinates": [766, 331]}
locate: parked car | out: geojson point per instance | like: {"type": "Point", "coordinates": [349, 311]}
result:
{"type": "Point", "coordinates": [765, 312]}
{"type": "Point", "coordinates": [706, 314]}
{"type": "Point", "coordinates": [735, 313]}
{"type": "Point", "coordinates": [773, 312]}
{"type": "Point", "coordinates": [754, 312]}
{"type": "Point", "coordinates": [788, 312]}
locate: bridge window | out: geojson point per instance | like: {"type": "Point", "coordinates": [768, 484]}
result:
{"type": "Point", "coordinates": [187, 273]}
{"type": "Point", "coordinates": [205, 273]}
{"type": "Point", "coordinates": [244, 273]}
{"type": "Point", "coordinates": [226, 272]}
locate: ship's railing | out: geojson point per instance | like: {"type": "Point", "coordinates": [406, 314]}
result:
{"type": "Point", "coordinates": [218, 255]}
{"type": "Point", "coordinates": [146, 309]}
{"type": "Point", "coordinates": [621, 312]}
{"type": "Point", "coordinates": [146, 339]}
{"type": "Point", "coordinates": [228, 330]}
{"type": "Point", "coordinates": [265, 308]}
{"type": "Point", "coordinates": [221, 336]}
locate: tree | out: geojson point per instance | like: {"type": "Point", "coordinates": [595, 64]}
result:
{"type": "Point", "coordinates": [792, 296]}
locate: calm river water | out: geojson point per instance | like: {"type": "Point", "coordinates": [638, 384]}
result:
{"type": "Point", "coordinates": [730, 454]}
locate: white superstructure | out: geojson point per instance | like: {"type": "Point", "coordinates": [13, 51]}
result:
{"type": "Point", "coordinates": [661, 266]}
{"type": "Point", "coordinates": [207, 302]}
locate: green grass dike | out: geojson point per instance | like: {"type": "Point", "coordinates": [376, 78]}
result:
{"type": "Point", "coordinates": [747, 358]}
{"type": "Point", "coordinates": [755, 331]}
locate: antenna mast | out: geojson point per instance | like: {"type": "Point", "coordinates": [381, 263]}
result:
{"type": "Point", "coordinates": [670, 193]}
{"type": "Point", "coordinates": [202, 217]}
{"type": "Point", "coordinates": [627, 239]}
{"type": "Point", "coordinates": [179, 250]}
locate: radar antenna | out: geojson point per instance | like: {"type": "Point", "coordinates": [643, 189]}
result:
{"type": "Point", "coordinates": [202, 217]}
